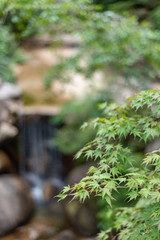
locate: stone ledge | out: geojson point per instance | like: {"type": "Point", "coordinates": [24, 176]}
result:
{"type": "Point", "coordinates": [38, 110]}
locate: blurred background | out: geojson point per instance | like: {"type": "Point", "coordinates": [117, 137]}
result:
{"type": "Point", "coordinates": [58, 60]}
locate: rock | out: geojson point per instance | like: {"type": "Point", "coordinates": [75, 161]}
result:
{"type": "Point", "coordinates": [152, 146]}
{"type": "Point", "coordinates": [82, 218]}
{"type": "Point", "coordinates": [51, 187]}
{"type": "Point", "coordinates": [16, 204]}
{"type": "Point", "coordinates": [52, 220]}
{"type": "Point", "coordinates": [9, 91]}
{"type": "Point", "coordinates": [57, 209]}
{"type": "Point", "coordinates": [7, 131]}
{"type": "Point", "coordinates": [5, 163]}
{"type": "Point", "coordinates": [5, 115]}
{"type": "Point", "coordinates": [66, 235]}
{"type": "Point", "coordinates": [77, 173]}
{"type": "Point", "coordinates": [35, 231]}
{"type": "Point", "coordinates": [8, 110]}
{"type": "Point", "coordinates": [49, 191]}
{"type": "Point", "coordinates": [7, 120]}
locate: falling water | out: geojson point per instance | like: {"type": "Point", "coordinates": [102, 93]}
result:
{"type": "Point", "coordinates": [40, 160]}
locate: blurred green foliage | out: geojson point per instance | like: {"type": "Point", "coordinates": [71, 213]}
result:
{"type": "Point", "coordinates": [106, 39]}
{"type": "Point", "coordinates": [155, 17]}
{"type": "Point", "coordinates": [110, 41]}
{"type": "Point", "coordinates": [9, 54]}
{"type": "Point", "coordinates": [70, 138]}
{"type": "Point", "coordinates": [30, 17]}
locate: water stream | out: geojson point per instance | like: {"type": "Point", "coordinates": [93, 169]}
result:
{"type": "Point", "coordinates": [40, 159]}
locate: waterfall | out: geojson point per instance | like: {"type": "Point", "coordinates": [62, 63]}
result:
{"type": "Point", "coordinates": [40, 160]}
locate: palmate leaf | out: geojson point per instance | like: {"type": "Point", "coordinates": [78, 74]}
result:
{"type": "Point", "coordinates": [66, 189]}
{"type": "Point", "coordinates": [78, 154]}
{"type": "Point", "coordinates": [150, 133]}
{"type": "Point", "coordinates": [61, 196]}
{"type": "Point", "coordinates": [85, 124]}
{"type": "Point", "coordinates": [144, 192]}
{"type": "Point", "coordinates": [104, 234]}
{"type": "Point", "coordinates": [121, 179]}
{"type": "Point", "coordinates": [91, 170]}
{"type": "Point", "coordinates": [136, 133]}
{"type": "Point", "coordinates": [132, 184]}
{"type": "Point", "coordinates": [123, 131]}
{"type": "Point", "coordinates": [83, 194]}
{"type": "Point", "coordinates": [106, 192]}
{"type": "Point", "coordinates": [114, 171]}
{"type": "Point", "coordinates": [98, 154]}
{"type": "Point", "coordinates": [108, 200]}
{"type": "Point", "coordinates": [113, 160]}
{"type": "Point", "coordinates": [89, 154]}
{"type": "Point", "coordinates": [94, 186]}
{"type": "Point", "coordinates": [132, 195]}
{"type": "Point", "coordinates": [151, 159]}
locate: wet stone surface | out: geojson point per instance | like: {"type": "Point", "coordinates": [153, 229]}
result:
{"type": "Point", "coordinates": [47, 224]}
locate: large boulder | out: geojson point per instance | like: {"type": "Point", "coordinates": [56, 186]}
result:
{"type": "Point", "coordinates": [16, 204]}
{"type": "Point", "coordinates": [5, 163]}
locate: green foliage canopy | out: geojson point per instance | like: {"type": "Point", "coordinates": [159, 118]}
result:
{"type": "Point", "coordinates": [106, 39]}
{"type": "Point", "coordinates": [111, 41]}
{"type": "Point", "coordinates": [9, 54]}
{"type": "Point", "coordinates": [123, 45]}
